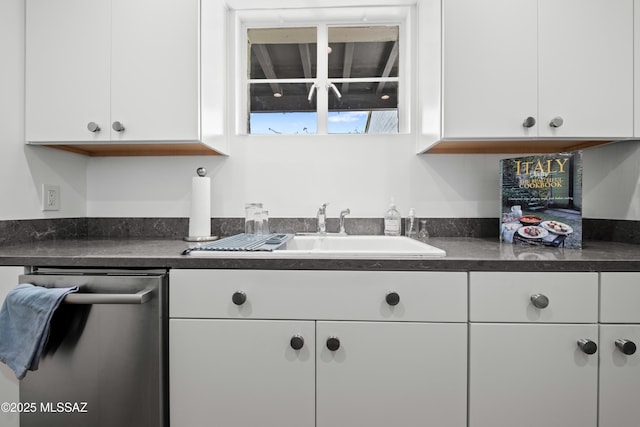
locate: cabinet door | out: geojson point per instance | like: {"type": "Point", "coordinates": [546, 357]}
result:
{"type": "Point", "coordinates": [490, 68]}
{"type": "Point", "coordinates": [636, 66]}
{"type": "Point", "coordinates": [586, 67]}
{"type": "Point", "coordinates": [9, 385]}
{"type": "Point", "coordinates": [392, 374]}
{"type": "Point", "coordinates": [67, 70]}
{"type": "Point", "coordinates": [241, 373]}
{"type": "Point", "coordinates": [619, 377]}
{"type": "Point", "coordinates": [531, 376]}
{"type": "Point", "coordinates": [154, 72]}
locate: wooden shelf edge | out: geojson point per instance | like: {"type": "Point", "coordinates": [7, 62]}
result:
{"type": "Point", "coordinates": [114, 150]}
{"type": "Point", "coordinates": [512, 147]}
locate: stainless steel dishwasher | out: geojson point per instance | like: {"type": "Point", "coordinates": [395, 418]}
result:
{"type": "Point", "coordinates": [104, 364]}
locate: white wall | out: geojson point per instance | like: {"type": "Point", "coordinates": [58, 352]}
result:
{"type": "Point", "coordinates": [611, 181]}
{"type": "Point", "coordinates": [291, 176]}
{"type": "Point", "coordinates": [23, 169]}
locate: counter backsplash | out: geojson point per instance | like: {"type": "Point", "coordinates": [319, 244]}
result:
{"type": "Point", "coordinates": [20, 231]}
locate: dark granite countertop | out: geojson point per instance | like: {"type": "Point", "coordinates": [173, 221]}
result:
{"type": "Point", "coordinates": [463, 254]}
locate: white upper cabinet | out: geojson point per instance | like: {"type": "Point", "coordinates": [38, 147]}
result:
{"type": "Point", "coordinates": [636, 56]}
{"type": "Point", "coordinates": [555, 73]}
{"type": "Point", "coordinates": [490, 62]}
{"type": "Point", "coordinates": [67, 70]}
{"type": "Point", "coordinates": [586, 68]}
{"type": "Point", "coordinates": [118, 73]}
{"type": "Point", "coordinates": [154, 69]}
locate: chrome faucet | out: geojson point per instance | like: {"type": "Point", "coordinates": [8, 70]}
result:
{"type": "Point", "coordinates": [342, 215]}
{"type": "Point", "coordinates": [322, 218]}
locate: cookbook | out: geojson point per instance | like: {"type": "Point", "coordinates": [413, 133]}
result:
{"type": "Point", "coordinates": [541, 200]}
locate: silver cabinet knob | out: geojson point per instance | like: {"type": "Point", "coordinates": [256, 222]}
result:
{"type": "Point", "coordinates": [556, 122]}
{"type": "Point", "coordinates": [626, 346]}
{"type": "Point", "coordinates": [117, 126]}
{"type": "Point", "coordinates": [93, 127]}
{"type": "Point", "coordinates": [587, 346]}
{"type": "Point", "coordinates": [529, 122]}
{"type": "Point", "coordinates": [539, 301]}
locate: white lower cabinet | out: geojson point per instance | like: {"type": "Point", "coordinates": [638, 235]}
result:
{"type": "Point", "coordinates": [237, 373]}
{"type": "Point", "coordinates": [619, 376]}
{"type": "Point", "coordinates": [378, 349]}
{"type": "Point", "coordinates": [391, 374]}
{"type": "Point", "coordinates": [349, 357]}
{"type": "Point", "coordinates": [533, 358]}
{"type": "Point", "coordinates": [532, 375]}
{"type": "Point", "coordinates": [619, 356]}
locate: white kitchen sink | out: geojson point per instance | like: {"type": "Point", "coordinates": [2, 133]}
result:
{"type": "Point", "coordinates": [379, 247]}
{"type": "Point", "coordinates": [331, 246]}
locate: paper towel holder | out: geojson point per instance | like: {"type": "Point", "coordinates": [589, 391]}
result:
{"type": "Point", "coordinates": [201, 172]}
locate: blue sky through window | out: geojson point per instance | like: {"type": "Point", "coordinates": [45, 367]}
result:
{"type": "Point", "coordinates": [303, 123]}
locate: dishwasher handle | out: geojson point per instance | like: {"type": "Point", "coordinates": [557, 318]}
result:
{"type": "Point", "coordinates": [85, 298]}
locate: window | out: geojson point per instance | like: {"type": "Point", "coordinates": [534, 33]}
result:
{"type": "Point", "coordinates": [338, 76]}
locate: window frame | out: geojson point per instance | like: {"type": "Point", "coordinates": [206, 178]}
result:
{"type": "Point", "coordinates": [394, 15]}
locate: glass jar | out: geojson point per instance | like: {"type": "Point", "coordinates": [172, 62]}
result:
{"type": "Point", "coordinates": [252, 214]}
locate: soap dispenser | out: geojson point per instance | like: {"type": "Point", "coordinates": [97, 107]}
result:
{"type": "Point", "coordinates": [410, 225]}
{"type": "Point", "coordinates": [392, 221]}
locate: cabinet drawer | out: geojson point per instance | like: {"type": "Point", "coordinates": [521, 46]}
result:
{"type": "Point", "coordinates": [331, 295]}
{"type": "Point", "coordinates": [507, 297]}
{"type": "Point", "coordinates": [620, 297]}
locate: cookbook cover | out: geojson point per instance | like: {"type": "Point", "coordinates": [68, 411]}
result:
{"type": "Point", "coordinates": [541, 199]}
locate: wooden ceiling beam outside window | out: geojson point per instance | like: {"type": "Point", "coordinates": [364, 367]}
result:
{"type": "Point", "coordinates": [264, 59]}
{"type": "Point", "coordinates": [305, 59]}
{"type": "Point", "coordinates": [347, 65]}
{"type": "Point", "coordinates": [393, 56]}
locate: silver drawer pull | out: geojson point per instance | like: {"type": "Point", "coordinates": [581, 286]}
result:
{"type": "Point", "coordinates": [137, 298]}
{"type": "Point", "coordinates": [93, 127]}
{"type": "Point", "coordinates": [529, 122]}
{"type": "Point", "coordinates": [556, 122]}
{"type": "Point", "coordinates": [587, 346]}
{"type": "Point", "coordinates": [628, 347]}
{"type": "Point", "coordinates": [539, 301]}
{"type": "Point", "coordinates": [117, 126]}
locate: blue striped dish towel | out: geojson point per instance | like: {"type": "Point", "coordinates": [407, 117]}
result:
{"type": "Point", "coordinates": [25, 318]}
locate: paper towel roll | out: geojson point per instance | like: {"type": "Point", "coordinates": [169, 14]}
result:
{"type": "Point", "coordinates": [200, 218]}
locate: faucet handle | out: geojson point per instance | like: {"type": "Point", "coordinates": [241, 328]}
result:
{"type": "Point", "coordinates": [322, 218]}
{"type": "Point", "coordinates": [343, 213]}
